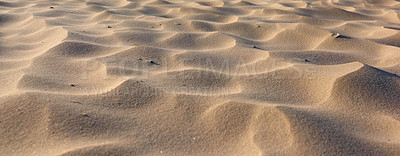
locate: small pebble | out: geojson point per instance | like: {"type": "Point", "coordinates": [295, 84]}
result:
{"type": "Point", "coordinates": [85, 115]}
{"type": "Point", "coordinates": [72, 85]}
{"type": "Point", "coordinates": [109, 27]}
{"type": "Point", "coordinates": [256, 47]}
{"type": "Point", "coordinates": [140, 59]}
{"type": "Point", "coordinates": [51, 7]}
{"type": "Point", "coordinates": [337, 35]}
{"type": "Point", "coordinates": [179, 24]}
{"type": "Point", "coordinates": [152, 62]}
{"type": "Point", "coordinates": [307, 60]}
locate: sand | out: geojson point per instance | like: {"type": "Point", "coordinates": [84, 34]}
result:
{"type": "Point", "coordinates": [201, 77]}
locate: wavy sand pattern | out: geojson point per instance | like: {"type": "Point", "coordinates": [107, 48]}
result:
{"type": "Point", "coordinates": [202, 77]}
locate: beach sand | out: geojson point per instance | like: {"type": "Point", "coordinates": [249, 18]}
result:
{"type": "Point", "coordinates": [201, 77]}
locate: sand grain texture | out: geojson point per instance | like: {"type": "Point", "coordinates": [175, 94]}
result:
{"type": "Point", "coordinates": [202, 77]}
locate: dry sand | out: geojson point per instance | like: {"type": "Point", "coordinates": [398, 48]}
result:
{"type": "Point", "coordinates": [183, 77]}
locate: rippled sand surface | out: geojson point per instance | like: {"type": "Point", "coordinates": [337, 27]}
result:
{"type": "Point", "coordinates": [198, 77]}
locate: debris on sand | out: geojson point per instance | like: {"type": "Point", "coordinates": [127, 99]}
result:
{"type": "Point", "coordinates": [85, 115]}
{"type": "Point", "coordinates": [336, 35]}
{"type": "Point", "coordinates": [155, 63]}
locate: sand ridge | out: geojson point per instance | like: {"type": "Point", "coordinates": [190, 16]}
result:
{"type": "Point", "coordinates": [202, 77]}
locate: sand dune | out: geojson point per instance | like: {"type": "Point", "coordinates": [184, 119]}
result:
{"type": "Point", "coordinates": [203, 77]}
